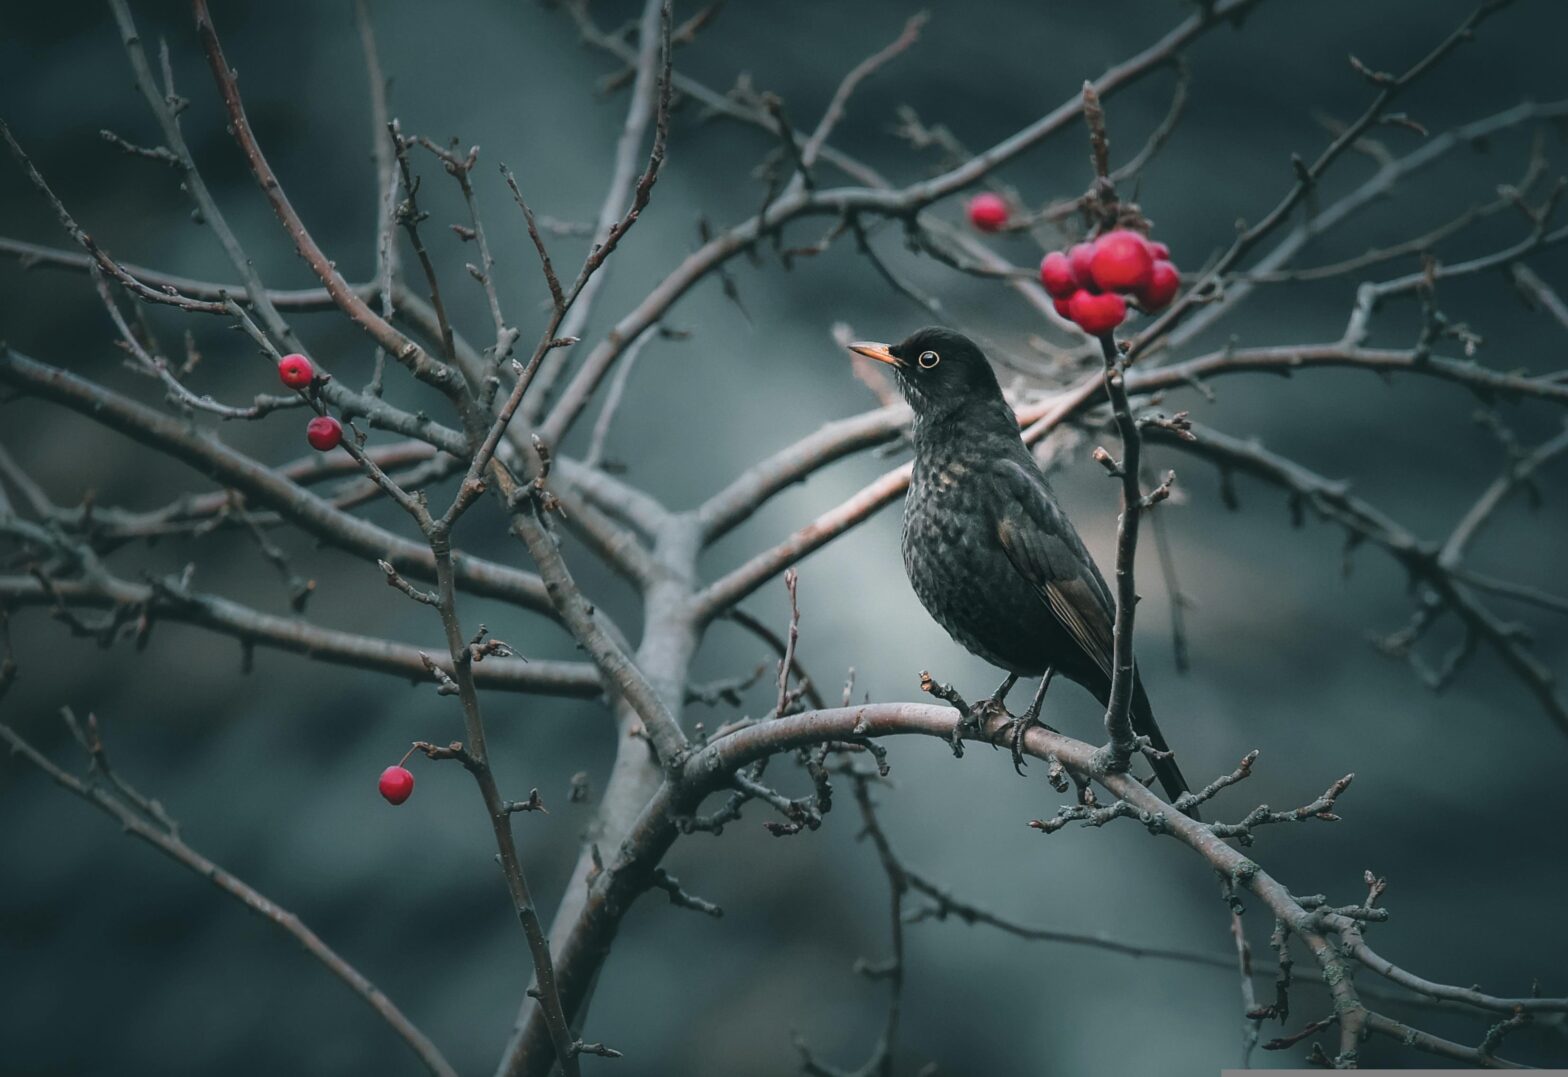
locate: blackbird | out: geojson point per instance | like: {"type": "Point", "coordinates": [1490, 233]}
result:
{"type": "Point", "coordinates": [989, 551]}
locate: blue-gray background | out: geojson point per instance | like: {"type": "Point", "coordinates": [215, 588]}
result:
{"type": "Point", "coordinates": [114, 961]}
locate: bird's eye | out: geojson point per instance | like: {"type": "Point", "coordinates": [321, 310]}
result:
{"type": "Point", "coordinates": [929, 360]}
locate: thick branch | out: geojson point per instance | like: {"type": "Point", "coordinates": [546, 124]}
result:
{"type": "Point", "coordinates": [709, 768]}
{"type": "Point", "coordinates": [650, 94]}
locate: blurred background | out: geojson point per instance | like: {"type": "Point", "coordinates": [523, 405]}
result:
{"type": "Point", "coordinates": [113, 960]}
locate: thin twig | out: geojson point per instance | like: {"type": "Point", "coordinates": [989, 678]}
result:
{"type": "Point", "coordinates": [167, 841]}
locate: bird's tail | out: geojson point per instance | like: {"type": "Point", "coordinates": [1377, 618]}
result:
{"type": "Point", "coordinates": [1165, 769]}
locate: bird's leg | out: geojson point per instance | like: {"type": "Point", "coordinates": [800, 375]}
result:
{"type": "Point", "coordinates": [978, 714]}
{"type": "Point", "coordinates": [994, 706]}
{"type": "Point", "coordinates": [1031, 717]}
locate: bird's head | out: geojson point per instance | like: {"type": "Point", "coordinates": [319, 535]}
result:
{"type": "Point", "coordinates": [939, 371]}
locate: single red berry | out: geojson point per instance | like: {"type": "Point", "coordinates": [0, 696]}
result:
{"type": "Point", "coordinates": [295, 371]}
{"type": "Point", "coordinates": [1079, 258]}
{"type": "Point", "coordinates": [324, 433]}
{"type": "Point", "coordinates": [1164, 283]}
{"type": "Point", "coordinates": [1159, 251]}
{"type": "Point", "coordinates": [1097, 314]}
{"type": "Point", "coordinates": [396, 784]}
{"type": "Point", "coordinates": [1121, 262]}
{"type": "Point", "coordinates": [1056, 273]}
{"type": "Point", "coordinates": [987, 211]}
{"type": "Point", "coordinates": [1064, 307]}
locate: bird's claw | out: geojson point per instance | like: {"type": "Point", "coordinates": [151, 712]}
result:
{"type": "Point", "coordinates": [982, 713]}
{"type": "Point", "coordinates": [1015, 730]}
{"type": "Point", "coordinates": [979, 715]}
{"type": "Point", "coordinates": [972, 722]}
{"type": "Point", "coordinates": [972, 719]}
{"type": "Point", "coordinates": [1018, 728]}
{"type": "Point", "coordinates": [992, 707]}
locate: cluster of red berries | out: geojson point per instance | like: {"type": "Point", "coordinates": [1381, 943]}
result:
{"type": "Point", "coordinates": [1089, 281]}
{"type": "Point", "coordinates": [323, 432]}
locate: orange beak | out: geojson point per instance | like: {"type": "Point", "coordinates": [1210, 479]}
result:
{"type": "Point", "coordinates": [873, 350]}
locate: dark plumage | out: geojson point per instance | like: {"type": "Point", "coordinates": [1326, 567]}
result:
{"type": "Point", "coordinates": [989, 551]}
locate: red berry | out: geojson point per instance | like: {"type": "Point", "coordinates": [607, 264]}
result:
{"type": "Point", "coordinates": [1159, 251]}
{"type": "Point", "coordinates": [324, 433]}
{"type": "Point", "coordinates": [1097, 314]}
{"type": "Point", "coordinates": [295, 371]}
{"type": "Point", "coordinates": [1164, 283]}
{"type": "Point", "coordinates": [987, 211]}
{"type": "Point", "coordinates": [1079, 257]}
{"type": "Point", "coordinates": [1056, 273]}
{"type": "Point", "coordinates": [1121, 262]}
{"type": "Point", "coordinates": [1064, 307]}
{"type": "Point", "coordinates": [396, 784]}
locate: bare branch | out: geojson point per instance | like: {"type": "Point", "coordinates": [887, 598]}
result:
{"type": "Point", "coordinates": [1450, 587]}
{"type": "Point", "coordinates": [253, 627]}
{"type": "Point", "coordinates": [1118, 707]}
{"type": "Point", "coordinates": [1310, 174]}
{"type": "Point", "coordinates": [497, 808]}
{"type": "Point", "coordinates": [162, 104]}
{"type": "Point", "coordinates": [258, 483]}
{"type": "Point", "coordinates": [846, 88]}
{"type": "Point", "coordinates": [410, 354]}
{"type": "Point", "coordinates": [614, 218]}
{"type": "Point", "coordinates": [168, 842]}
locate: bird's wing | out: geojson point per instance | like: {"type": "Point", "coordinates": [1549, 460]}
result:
{"type": "Point", "coordinates": [1046, 551]}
